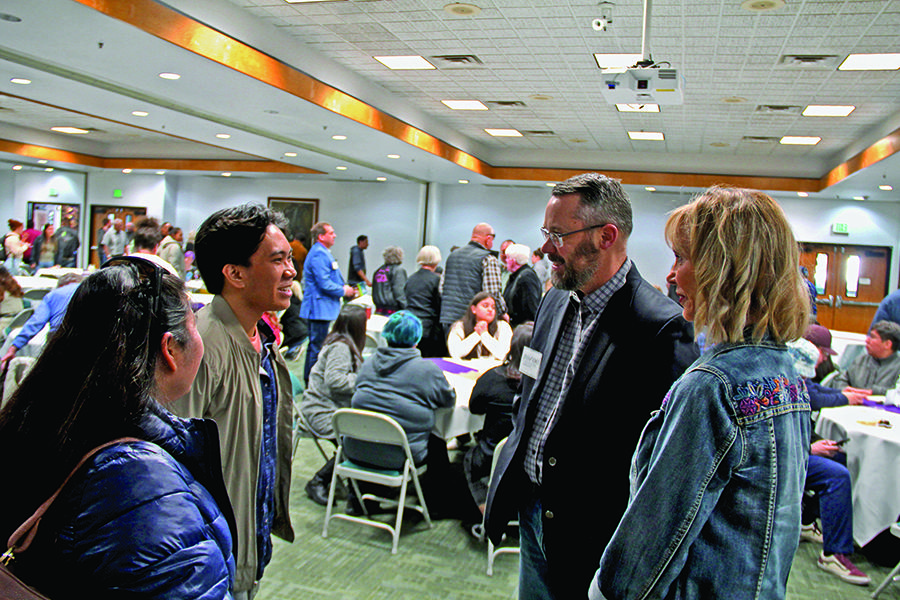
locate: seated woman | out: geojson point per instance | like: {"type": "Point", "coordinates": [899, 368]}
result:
{"type": "Point", "coordinates": [331, 385]}
{"type": "Point", "coordinates": [389, 283]}
{"type": "Point", "coordinates": [493, 396]}
{"type": "Point", "coordinates": [398, 382]}
{"type": "Point", "coordinates": [480, 332]}
{"type": "Point", "coordinates": [148, 518]}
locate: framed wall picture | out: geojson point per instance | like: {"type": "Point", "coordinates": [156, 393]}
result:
{"type": "Point", "coordinates": [301, 214]}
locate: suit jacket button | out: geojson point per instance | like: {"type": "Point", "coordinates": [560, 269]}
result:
{"type": "Point", "coordinates": [551, 461]}
{"type": "Point", "coordinates": [548, 514]}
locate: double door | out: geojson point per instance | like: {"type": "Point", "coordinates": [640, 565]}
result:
{"type": "Point", "coordinates": [850, 281]}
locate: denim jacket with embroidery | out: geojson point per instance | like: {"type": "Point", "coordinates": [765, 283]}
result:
{"type": "Point", "coordinates": [716, 483]}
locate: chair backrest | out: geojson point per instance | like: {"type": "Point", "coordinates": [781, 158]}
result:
{"type": "Point", "coordinates": [20, 319]}
{"type": "Point", "coordinates": [369, 426]}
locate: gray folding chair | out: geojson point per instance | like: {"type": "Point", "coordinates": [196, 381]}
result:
{"type": "Point", "coordinates": [374, 427]}
{"type": "Point", "coordinates": [492, 551]}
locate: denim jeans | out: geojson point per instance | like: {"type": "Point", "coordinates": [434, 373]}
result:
{"type": "Point", "coordinates": [318, 331]}
{"type": "Point", "coordinates": [831, 480]}
{"type": "Point", "coordinates": [532, 559]}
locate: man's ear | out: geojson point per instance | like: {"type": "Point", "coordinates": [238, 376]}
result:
{"type": "Point", "coordinates": [167, 350]}
{"type": "Point", "coordinates": [234, 275]}
{"type": "Point", "coordinates": [608, 234]}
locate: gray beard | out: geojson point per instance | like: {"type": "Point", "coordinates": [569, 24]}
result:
{"type": "Point", "coordinates": [569, 279]}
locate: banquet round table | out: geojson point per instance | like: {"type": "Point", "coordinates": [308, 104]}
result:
{"type": "Point", "coordinates": [873, 459]}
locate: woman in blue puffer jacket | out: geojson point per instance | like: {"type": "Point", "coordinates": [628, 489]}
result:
{"type": "Point", "coordinates": [150, 518]}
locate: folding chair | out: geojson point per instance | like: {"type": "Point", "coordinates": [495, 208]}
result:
{"type": "Point", "coordinates": [302, 429]}
{"type": "Point", "coordinates": [493, 552]}
{"type": "Point", "coordinates": [374, 427]}
{"type": "Point", "coordinates": [893, 575]}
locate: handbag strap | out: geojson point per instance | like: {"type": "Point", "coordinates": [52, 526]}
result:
{"type": "Point", "coordinates": [22, 537]}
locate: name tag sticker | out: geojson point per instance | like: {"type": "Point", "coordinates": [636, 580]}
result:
{"type": "Point", "coordinates": [531, 362]}
{"type": "Point", "coordinates": [334, 266]}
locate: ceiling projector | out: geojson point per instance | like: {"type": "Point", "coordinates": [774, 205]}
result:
{"type": "Point", "coordinates": [643, 86]}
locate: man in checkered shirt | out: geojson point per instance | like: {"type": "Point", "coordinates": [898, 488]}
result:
{"type": "Point", "coordinates": [606, 347]}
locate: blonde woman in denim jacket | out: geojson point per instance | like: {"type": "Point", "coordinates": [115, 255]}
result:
{"type": "Point", "coordinates": [718, 474]}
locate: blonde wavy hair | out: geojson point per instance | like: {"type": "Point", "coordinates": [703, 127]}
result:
{"type": "Point", "coordinates": [746, 266]}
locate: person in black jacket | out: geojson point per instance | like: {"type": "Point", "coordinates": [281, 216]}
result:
{"type": "Point", "coordinates": [492, 397]}
{"type": "Point", "coordinates": [423, 299]}
{"type": "Point", "coordinates": [389, 282]}
{"type": "Point", "coordinates": [523, 288]}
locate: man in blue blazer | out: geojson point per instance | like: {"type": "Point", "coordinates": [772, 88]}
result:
{"type": "Point", "coordinates": [323, 288]}
{"type": "Point", "coordinates": [606, 347]}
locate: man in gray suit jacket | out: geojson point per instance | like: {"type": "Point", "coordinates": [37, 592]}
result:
{"type": "Point", "coordinates": [606, 347]}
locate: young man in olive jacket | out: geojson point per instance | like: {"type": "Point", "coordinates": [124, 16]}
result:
{"type": "Point", "coordinates": [243, 382]}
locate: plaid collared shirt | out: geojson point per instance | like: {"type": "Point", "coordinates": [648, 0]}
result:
{"type": "Point", "coordinates": [578, 324]}
{"type": "Point", "coordinates": [492, 281]}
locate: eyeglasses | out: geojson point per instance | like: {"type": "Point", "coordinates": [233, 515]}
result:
{"type": "Point", "coordinates": [557, 238]}
{"type": "Point", "coordinates": [147, 272]}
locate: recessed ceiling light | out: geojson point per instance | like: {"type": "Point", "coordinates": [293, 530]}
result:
{"type": "Point", "coordinates": [616, 62]}
{"type": "Point", "coordinates": [393, 156]}
{"type": "Point", "coordinates": [43, 161]}
{"type": "Point", "coordinates": [20, 80]}
{"type": "Point", "coordinates": [223, 136]}
{"type": "Point", "coordinates": [504, 132]}
{"type": "Point", "coordinates": [827, 110]}
{"type": "Point", "coordinates": [341, 168]}
{"type": "Point", "coordinates": [464, 104]}
{"type": "Point", "coordinates": [339, 137]}
{"type": "Point", "coordinates": [381, 179]}
{"type": "Point", "coordinates": [290, 154]}
{"type": "Point", "coordinates": [139, 113]}
{"type": "Point", "coordinates": [871, 62]}
{"type": "Point", "coordinates": [70, 130]}
{"type": "Point", "coordinates": [171, 76]}
{"type": "Point", "coordinates": [226, 174]}
{"type": "Point", "coordinates": [17, 167]}
{"type": "Point", "coordinates": [650, 188]}
{"type": "Point", "coordinates": [49, 169]}
{"type": "Point", "coordinates": [404, 63]}
{"type": "Point", "coordinates": [644, 108]}
{"type": "Point", "coordinates": [160, 172]}
{"type": "Point", "coordinates": [886, 188]}
{"type": "Point", "coordinates": [652, 136]}
{"type": "Point", "coordinates": [464, 181]}
{"type": "Point", "coordinates": [550, 184]}
{"type": "Point", "coordinates": [126, 171]}
{"type": "Point", "coordinates": [803, 194]}
{"type": "Point", "coordinates": [800, 140]}
{"type": "Point", "coordinates": [860, 198]}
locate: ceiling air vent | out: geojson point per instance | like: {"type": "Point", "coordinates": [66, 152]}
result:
{"type": "Point", "coordinates": [667, 74]}
{"type": "Point", "coordinates": [506, 103]}
{"type": "Point", "coordinates": [808, 61]}
{"type": "Point", "coordinates": [458, 61]}
{"type": "Point", "coordinates": [759, 139]}
{"type": "Point", "coordinates": [778, 109]}
{"type": "Point", "coordinates": [539, 132]}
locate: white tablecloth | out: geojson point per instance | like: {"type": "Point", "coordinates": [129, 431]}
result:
{"type": "Point", "coordinates": [36, 283]}
{"type": "Point", "coordinates": [451, 422]}
{"type": "Point", "coordinates": [873, 459]}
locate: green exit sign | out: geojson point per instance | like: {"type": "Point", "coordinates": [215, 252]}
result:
{"type": "Point", "coordinates": [841, 228]}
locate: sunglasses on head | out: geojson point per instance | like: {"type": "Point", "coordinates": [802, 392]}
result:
{"type": "Point", "coordinates": [149, 274]}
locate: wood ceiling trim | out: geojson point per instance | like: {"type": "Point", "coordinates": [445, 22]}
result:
{"type": "Point", "coordinates": [886, 146]}
{"type": "Point", "coordinates": [789, 184]}
{"type": "Point", "coordinates": [152, 164]}
{"type": "Point", "coordinates": [182, 31]}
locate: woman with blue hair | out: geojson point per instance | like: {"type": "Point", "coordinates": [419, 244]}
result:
{"type": "Point", "coordinates": [398, 382]}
